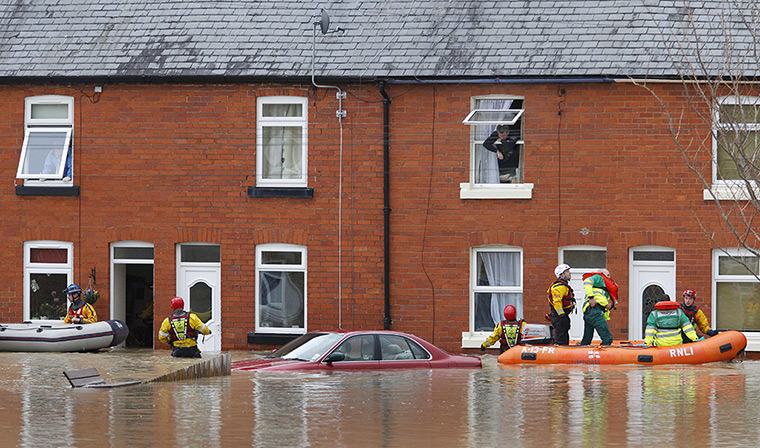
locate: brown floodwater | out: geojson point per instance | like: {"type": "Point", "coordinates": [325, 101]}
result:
{"type": "Point", "coordinates": [711, 405]}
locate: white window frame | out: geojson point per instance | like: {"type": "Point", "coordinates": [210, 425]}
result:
{"type": "Point", "coordinates": [473, 190]}
{"type": "Point", "coordinates": [45, 268]}
{"type": "Point", "coordinates": [734, 189]}
{"type": "Point", "coordinates": [262, 122]}
{"type": "Point", "coordinates": [41, 125]}
{"type": "Point", "coordinates": [472, 338]}
{"type": "Point", "coordinates": [302, 267]}
{"type": "Point", "coordinates": [753, 337]}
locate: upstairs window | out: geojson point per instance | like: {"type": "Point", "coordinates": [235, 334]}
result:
{"type": "Point", "coordinates": [47, 150]}
{"type": "Point", "coordinates": [737, 149]}
{"type": "Point", "coordinates": [281, 142]}
{"type": "Point", "coordinates": [496, 140]}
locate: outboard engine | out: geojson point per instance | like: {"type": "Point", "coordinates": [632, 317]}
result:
{"type": "Point", "coordinates": [537, 334]}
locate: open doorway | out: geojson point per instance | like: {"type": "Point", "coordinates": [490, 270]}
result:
{"type": "Point", "coordinates": [139, 305]}
{"type": "Point", "coordinates": [132, 290]}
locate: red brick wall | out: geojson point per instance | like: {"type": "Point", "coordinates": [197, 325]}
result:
{"type": "Point", "coordinates": [168, 163]}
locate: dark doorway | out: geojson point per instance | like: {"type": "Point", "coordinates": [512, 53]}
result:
{"type": "Point", "coordinates": [139, 305]}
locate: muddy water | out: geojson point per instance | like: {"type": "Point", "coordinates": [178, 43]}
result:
{"type": "Point", "coordinates": [714, 405]}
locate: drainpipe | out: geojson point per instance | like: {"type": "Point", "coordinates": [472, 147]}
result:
{"type": "Point", "coordinates": [387, 321]}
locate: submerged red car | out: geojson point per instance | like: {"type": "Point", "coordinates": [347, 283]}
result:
{"type": "Point", "coordinates": [357, 350]}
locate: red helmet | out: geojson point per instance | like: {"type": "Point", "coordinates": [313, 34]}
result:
{"type": "Point", "coordinates": [510, 313]}
{"type": "Point", "coordinates": [177, 303]}
{"type": "Point", "coordinates": [690, 293]}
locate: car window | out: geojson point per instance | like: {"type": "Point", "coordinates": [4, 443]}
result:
{"type": "Point", "coordinates": [358, 348]}
{"type": "Point", "coordinates": [418, 351]}
{"type": "Point", "coordinates": [308, 347]}
{"type": "Point", "coordinates": [393, 347]}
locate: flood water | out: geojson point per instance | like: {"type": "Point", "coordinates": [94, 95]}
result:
{"type": "Point", "coordinates": [712, 405]}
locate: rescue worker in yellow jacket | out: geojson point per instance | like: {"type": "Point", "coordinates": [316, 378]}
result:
{"type": "Point", "coordinates": [508, 332]}
{"type": "Point", "coordinates": [666, 323]}
{"type": "Point", "coordinates": [561, 303]}
{"type": "Point", "coordinates": [80, 312]}
{"type": "Point", "coordinates": [695, 314]}
{"type": "Point", "coordinates": [601, 294]}
{"type": "Point", "coordinates": [181, 330]}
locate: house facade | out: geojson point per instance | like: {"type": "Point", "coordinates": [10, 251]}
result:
{"type": "Point", "coordinates": [281, 179]}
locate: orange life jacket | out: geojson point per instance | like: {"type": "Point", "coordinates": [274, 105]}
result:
{"type": "Point", "coordinates": [568, 302]}
{"type": "Point", "coordinates": [666, 305]}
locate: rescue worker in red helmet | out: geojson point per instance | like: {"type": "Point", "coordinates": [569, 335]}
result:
{"type": "Point", "coordinates": [666, 323]}
{"type": "Point", "coordinates": [80, 312]}
{"type": "Point", "coordinates": [180, 329]}
{"type": "Point", "coordinates": [508, 332]}
{"type": "Point", "coordinates": [695, 314]}
{"type": "Point", "coordinates": [561, 303]}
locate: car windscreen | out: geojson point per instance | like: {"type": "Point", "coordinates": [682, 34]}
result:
{"type": "Point", "coordinates": [309, 347]}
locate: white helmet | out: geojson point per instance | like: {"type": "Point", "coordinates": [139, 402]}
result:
{"type": "Point", "coordinates": [560, 269]}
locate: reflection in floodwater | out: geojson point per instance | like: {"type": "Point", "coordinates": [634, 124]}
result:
{"type": "Point", "coordinates": [716, 404]}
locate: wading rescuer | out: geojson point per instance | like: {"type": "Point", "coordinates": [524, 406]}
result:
{"type": "Point", "coordinates": [695, 314]}
{"type": "Point", "coordinates": [562, 303]}
{"type": "Point", "coordinates": [601, 295]}
{"type": "Point", "coordinates": [508, 332]}
{"type": "Point", "coordinates": [181, 330]}
{"type": "Point", "coordinates": [80, 312]}
{"type": "Point", "coordinates": [666, 323]}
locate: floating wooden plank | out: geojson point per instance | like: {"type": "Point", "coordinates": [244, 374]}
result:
{"type": "Point", "coordinates": [83, 377]}
{"type": "Point", "coordinates": [91, 378]}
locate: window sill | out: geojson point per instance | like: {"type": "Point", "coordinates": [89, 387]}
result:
{"type": "Point", "coordinates": [474, 339]}
{"type": "Point", "coordinates": [728, 192]}
{"type": "Point", "coordinates": [23, 190]}
{"type": "Point", "coordinates": [753, 341]}
{"type": "Point", "coordinates": [495, 191]}
{"type": "Point", "coordinates": [270, 338]}
{"type": "Point", "coordinates": [280, 192]}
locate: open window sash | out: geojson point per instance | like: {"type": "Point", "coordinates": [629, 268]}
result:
{"type": "Point", "coordinates": [44, 153]}
{"type": "Point", "coordinates": [493, 116]}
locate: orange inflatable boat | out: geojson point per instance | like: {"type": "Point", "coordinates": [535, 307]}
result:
{"type": "Point", "coordinates": [722, 347]}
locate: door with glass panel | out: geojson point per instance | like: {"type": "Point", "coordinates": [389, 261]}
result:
{"type": "Point", "coordinates": [652, 276]}
{"type": "Point", "coordinates": [199, 278]}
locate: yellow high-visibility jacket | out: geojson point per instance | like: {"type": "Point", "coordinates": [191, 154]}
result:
{"type": "Point", "coordinates": [164, 334]}
{"type": "Point", "coordinates": [664, 328]}
{"type": "Point", "coordinates": [594, 287]}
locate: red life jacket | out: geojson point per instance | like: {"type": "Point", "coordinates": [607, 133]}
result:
{"type": "Point", "coordinates": [609, 285]}
{"type": "Point", "coordinates": [181, 330]}
{"type": "Point", "coordinates": [568, 302]}
{"type": "Point", "coordinates": [505, 343]}
{"type": "Point", "coordinates": [690, 312]}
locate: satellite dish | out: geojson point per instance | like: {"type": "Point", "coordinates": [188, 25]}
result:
{"type": "Point", "coordinates": [324, 23]}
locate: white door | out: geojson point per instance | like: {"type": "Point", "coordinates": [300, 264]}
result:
{"type": "Point", "coordinates": [652, 274]}
{"type": "Point", "coordinates": [200, 288]}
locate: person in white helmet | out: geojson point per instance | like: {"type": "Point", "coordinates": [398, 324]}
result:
{"type": "Point", "coordinates": [561, 303]}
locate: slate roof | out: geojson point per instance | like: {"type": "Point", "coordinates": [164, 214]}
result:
{"type": "Point", "coordinates": [383, 39]}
